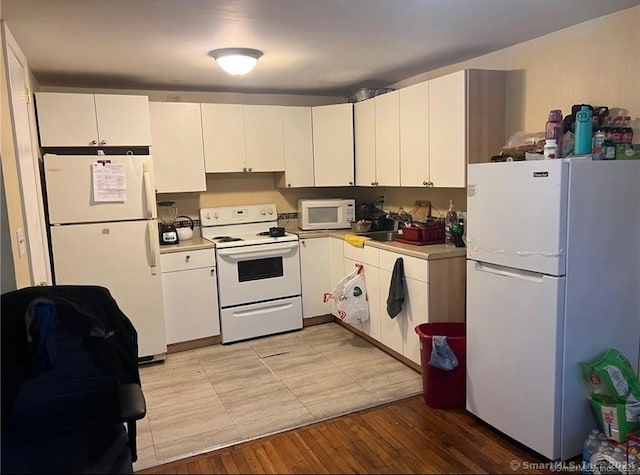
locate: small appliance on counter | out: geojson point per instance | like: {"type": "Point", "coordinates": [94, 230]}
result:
{"type": "Point", "coordinates": [184, 227]}
{"type": "Point", "coordinates": [332, 213]}
{"type": "Point", "coordinates": [167, 231]}
{"type": "Point", "coordinates": [380, 220]}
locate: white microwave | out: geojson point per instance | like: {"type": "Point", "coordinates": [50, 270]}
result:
{"type": "Point", "coordinates": [326, 214]}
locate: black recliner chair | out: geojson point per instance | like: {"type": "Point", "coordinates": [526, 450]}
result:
{"type": "Point", "coordinates": [71, 391]}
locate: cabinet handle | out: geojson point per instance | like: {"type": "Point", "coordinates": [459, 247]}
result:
{"type": "Point", "coordinates": [304, 243]}
{"type": "Point", "coordinates": [351, 183]}
{"type": "Point", "coordinates": [212, 272]}
{"type": "Point", "coordinates": [186, 258]}
{"type": "Point", "coordinates": [289, 185]}
{"type": "Point", "coordinates": [93, 142]}
{"type": "Point", "coordinates": [244, 169]}
{"type": "Point", "coordinates": [250, 169]}
{"type": "Point", "coordinates": [103, 142]}
{"type": "Point", "coordinates": [425, 183]}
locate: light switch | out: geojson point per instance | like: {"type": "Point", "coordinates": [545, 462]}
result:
{"type": "Point", "coordinates": [21, 241]}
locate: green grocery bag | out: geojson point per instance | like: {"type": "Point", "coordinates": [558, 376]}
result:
{"type": "Point", "coordinates": [617, 419]}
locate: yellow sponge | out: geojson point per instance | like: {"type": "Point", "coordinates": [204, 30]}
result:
{"type": "Point", "coordinates": [355, 240]}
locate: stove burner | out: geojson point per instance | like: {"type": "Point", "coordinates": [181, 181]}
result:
{"type": "Point", "coordinates": [227, 239]}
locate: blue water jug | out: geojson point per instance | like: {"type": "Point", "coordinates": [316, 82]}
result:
{"type": "Point", "coordinates": [584, 124]}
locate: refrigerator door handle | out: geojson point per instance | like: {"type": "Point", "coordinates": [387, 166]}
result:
{"type": "Point", "coordinates": [148, 189]}
{"type": "Point", "coordinates": [509, 272]}
{"type": "Point", "coordinates": [154, 246]}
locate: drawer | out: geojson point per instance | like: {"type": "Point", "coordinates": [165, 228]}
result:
{"type": "Point", "coordinates": [414, 268]}
{"type": "Point", "coordinates": [185, 260]}
{"type": "Point", "coordinates": [365, 255]}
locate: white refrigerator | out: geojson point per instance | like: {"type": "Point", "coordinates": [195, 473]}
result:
{"type": "Point", "coordinates": [553, 279]}
{"type": "Point", "coordinates": [104, 231]}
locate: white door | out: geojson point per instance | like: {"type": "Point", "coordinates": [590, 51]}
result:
{"type": "Point", "coordinates": [414, 135]}
{"type": "Point", "coordinates": [388, 139]}
{"type": "Point", "coordinates": [24, 137]}
{"type": "Point", "coordinates": [333, 144]}
{"type": "Point", "coordinates": [516, 214]}
{"type": "Point", "coordinates": [123, 120]}
{"type": "Point", "coordinates": [123, 257]}
{"type": "Point", "coordinates": [314, 276]}
{"type": "Point", "coordinates": [260, 272]}
{"type": "Point", "coordinates": [264, 138]}
{"type": "Point", "coordinates": [298, 146]}
{"type": "Point", "coordinates": [514, 353]}
{"type": "Point", "coordinates": [66, 119]}
{"type": "Point", "coordinates": [178, 153]}
{"type": "Point", "coordinates": [364, 136]}
{"type": "Point", "coordinates": [71, 181]}
{"type": "Point", "coordinates": [223, 137]}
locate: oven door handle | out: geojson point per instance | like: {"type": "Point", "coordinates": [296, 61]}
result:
{"type": "Point", "coordinates": [270, 250]}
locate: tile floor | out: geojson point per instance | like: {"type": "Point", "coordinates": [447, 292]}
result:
{"type": "Point", "coordinates": [207, 398]}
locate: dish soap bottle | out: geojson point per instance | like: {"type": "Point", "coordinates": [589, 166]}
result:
{"type": "Point", "coordinates": [449, 220]}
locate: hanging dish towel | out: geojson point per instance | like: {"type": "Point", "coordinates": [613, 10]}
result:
{"type": "Point", "coordinates": [396, 295]}
{"type": "Point", "coordinates": [355, 240]}
{"type": "Point", "coordinates": [442, 356]}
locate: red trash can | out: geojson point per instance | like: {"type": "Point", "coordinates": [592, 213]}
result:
{"type": "Point", "coordinates": [443, 389]}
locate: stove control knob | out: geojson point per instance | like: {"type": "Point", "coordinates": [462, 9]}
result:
{"type": "Point", "coordinates": [215, 215]}
{"type": "Point", "coordinates": [263, 211]}
{"type": "Point", "coordinates": [269, 210]}
{"type": "Point", "coordinates": [208, 216]}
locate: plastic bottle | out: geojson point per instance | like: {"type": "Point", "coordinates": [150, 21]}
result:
{"type": "Point", "coordinates": [620, 460]}
{"type": "Point", "coordinates": [550, 149]}
{"type": "Point", "coordinates": [584, 125]}
{"type": "Point", "coordinates": [450, 218]}
{"type": "Point", "coordinates": [627, 130]}
{"type": "Point", "coordinates": [632, 464]}
{"type": "Point", "coordinates": [553, 129]}
{"type": "Point", "coordinates": [590, 447]}
{"type": "Point", "coordinates": [616, 129]}
{"type": "Point", "coordinates": [598, 139]}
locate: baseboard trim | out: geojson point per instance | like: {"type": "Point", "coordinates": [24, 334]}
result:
{"type": "Point", "coordinates": [193, 344]}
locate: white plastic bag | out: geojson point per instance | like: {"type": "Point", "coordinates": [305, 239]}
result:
{"type": "Point", "coordinates": [350, 296]}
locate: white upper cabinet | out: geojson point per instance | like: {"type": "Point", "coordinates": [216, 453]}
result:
{"type": "Point", "coordinates": [414, 135]}
{"type": "Point", "coordinates": [92, 120]}
{"type": "Point", "coordinates": [377, 140]}
{"type": "Point", "coordinates": [448, 134]}
{"type": "Point", "coordinates": [333, 145]}
{"type": "Point", "coordinates": [364, 128]}
{"type": "Point", "coordinates": [242, 138]}
{"type": "Point", "coordinates": [177, 150]}
{"type": "Point", "coordinates": [264, 138]}
{"type": "Point", "coordinates": [387, 139]}
{"type": "Point", "coordinates": [298, 148]}
{"type": "Point", "coordinates": [466, 123]}
{"type": "Point", "coordinates": [223, 136]}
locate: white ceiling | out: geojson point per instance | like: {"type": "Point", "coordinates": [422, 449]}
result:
{"type": "Point", "coordinates": [317, 47]}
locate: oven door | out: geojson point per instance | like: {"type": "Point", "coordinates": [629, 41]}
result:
{"type": "Point", "coordinates": [258, 273]}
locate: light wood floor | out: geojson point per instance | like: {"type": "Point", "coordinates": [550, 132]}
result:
{"type": "Point", "coordinates": [406, 436]}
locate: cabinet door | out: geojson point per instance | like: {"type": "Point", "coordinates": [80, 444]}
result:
{"type": "Point", "coordinates": [336, 267]}
{"type": "Point", "coordinates": [177, 150]}
{"type": "Point", "coordinates": [123, 120]}
{"type": "Point", "coordinates": [66, 120]}
{"type": "Point", "coordinates": [414, 311]}
{"type": "Point", "coordinates": [391, 329]}
{"type": "Point", "coordinates": [264, 142]}
{"type": "Point", "coordinates": [448, 130]}
{"type": "Point", "coordinates": [314, 255]}
{"type": "Point", "coordinates": [387, 139]}
{"type": "Point", "coordinates": [364, 127]}
{"type": "Point", "coordinates": [333, 145]}
{"type": "Point", "coordinates": [372, 281]}
{"type": "Point", "coordinates": [223, 137]}
{"type": "Point", "coordinates": [190, 304]}
{"type": "Point", "coordinates": [414, 135]}
{"type": "Point", "coordinates": [298, 147]}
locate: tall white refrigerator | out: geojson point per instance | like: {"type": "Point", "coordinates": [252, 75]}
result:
{"type": "Point", "coordinates": [102, 217]}
{"type": "Point", "coordinates": [553, 279]}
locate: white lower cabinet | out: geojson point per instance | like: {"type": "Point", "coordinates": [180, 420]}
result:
{"type": "Point", "coordinates": [190, 295]}
{"type": "Point", "coordinates": [315, 276]}
{"type": "Point", "coordinates": [336, 268]}
{"type": "Point", "coordinates": [368, 258]}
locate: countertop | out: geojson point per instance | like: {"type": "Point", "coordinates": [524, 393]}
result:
{"type": "Point", "coordinates": [429, 252]}
{"type": "Point", "coordinates": [196, 242]}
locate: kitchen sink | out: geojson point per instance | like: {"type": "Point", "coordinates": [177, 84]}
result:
{"type": "Point", "coordinates": [383, 236]}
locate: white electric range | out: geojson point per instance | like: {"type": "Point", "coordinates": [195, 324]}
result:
{"type": "Point", "coordinates": [259, 290]}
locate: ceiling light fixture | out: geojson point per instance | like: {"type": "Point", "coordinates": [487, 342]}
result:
{"type": "Point", "coordinates": [236, 61]}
